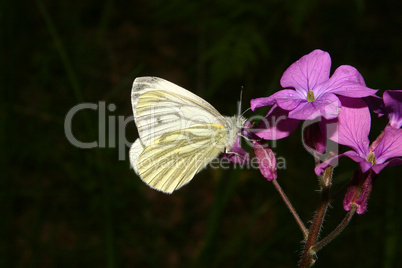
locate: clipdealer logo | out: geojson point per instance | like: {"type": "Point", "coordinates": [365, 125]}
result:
{"type": "Point", "coordinates": [111, 128]}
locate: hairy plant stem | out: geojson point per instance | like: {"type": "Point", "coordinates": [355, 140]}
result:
{"type": "Point", "coordinates": [335, 232]}
{"type": "Point", "coordinates": [291, 208]}
{"type": "Point", "coordinates": [308, 256]}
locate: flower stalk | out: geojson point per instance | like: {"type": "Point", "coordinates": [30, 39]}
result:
{"type": "Point", "coordinates": [335, 232]}
{"type": "Point", "coordinates": [291, 208]}
{"type": "Point", "coordinates": [308, 256]}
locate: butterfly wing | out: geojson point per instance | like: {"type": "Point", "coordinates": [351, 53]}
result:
{"type": "Point", "coordinates": [160, 106]}
{"type": "Point", "coordinates": [179, 133]}
{"type": "Point", "coordinates": [135, 150]}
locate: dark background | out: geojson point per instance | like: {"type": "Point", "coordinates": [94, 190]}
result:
{"type": "Point", "coordinates": [62, 206]}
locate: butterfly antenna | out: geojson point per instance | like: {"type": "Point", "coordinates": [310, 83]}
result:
{"type": "Point", "coordinates": [240, 102]}
{"type": "Point", "coordinates": [245, 111]}
{"type": "Point", "coordinates": [239, 113]}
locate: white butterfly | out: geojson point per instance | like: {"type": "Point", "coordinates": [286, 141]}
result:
{"type": "Point", "coordinates": [179, 133]}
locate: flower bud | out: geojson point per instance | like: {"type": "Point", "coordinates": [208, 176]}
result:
{"type": "Point", "coordinates": [266, 159]}
{"type": "Point", "coordinates": [359, 191]}
{"type": "Point", "coordinates": [314, 138]}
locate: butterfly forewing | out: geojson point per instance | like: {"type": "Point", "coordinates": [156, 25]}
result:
{"type": "Point", "coordinates": [160, 106]}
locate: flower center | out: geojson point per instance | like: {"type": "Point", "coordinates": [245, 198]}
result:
{"type": "Point", "coordinates": [310, 96]}
{"type": "Point", "coordinates": [371, 158]}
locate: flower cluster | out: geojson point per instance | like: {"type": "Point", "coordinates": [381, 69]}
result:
{"type": "Point", "coordinates": [342, 101]}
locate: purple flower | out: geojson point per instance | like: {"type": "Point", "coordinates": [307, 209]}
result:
{"type": "Point", "coordinates": [310, 92]}
{"type": "Point", "coordinates": [353, 130]}
{"type": "Point", "coordinates": [393, 106]}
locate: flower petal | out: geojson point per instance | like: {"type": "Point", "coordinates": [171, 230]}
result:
{"type": "Point", "coordinates": [346, 81]}
{"type": "Point", "coordinates": [393, 104]}
{"type": "Point", "coordinates": [376, 104]}
{"type": "Point", "coordinates": [353, 125]}
{"type": "Point", "coordinates": [288, 99]}
{"type": "Point", "coordinates": [391, 163]}
{"type": "Point", "coordinates": [390, 145]}
{"type": "Point", "coordinates": [365, 166]}
{"type": "Point", "coordinates": [305, 111]}
{"type": "Point", "coordinates": [319, 170]}
{"type": "Point", "coordinates": [327, 106]}
{"type": "Point", "coordinates": [309, 71]}
{"type": "Point", "coordinates": [394, 162]}
{"type": "Point", "coordinates": [276, 125]}
{"type": "Point", "coordinates": [261, 102]}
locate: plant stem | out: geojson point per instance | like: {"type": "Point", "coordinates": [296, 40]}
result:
{"type": "Point", "coordinates": [291, 208]}
{"type": "Point", "coordinates": [335, 232]}
{"type": "Point", "coordinates": [307, 259]}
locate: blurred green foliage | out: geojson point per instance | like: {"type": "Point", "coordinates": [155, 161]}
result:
{"type": "Point", "coordinates": [63, 206]}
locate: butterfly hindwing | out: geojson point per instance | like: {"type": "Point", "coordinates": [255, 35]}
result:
{"type": "Point", "coordinates": [173, 159]}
